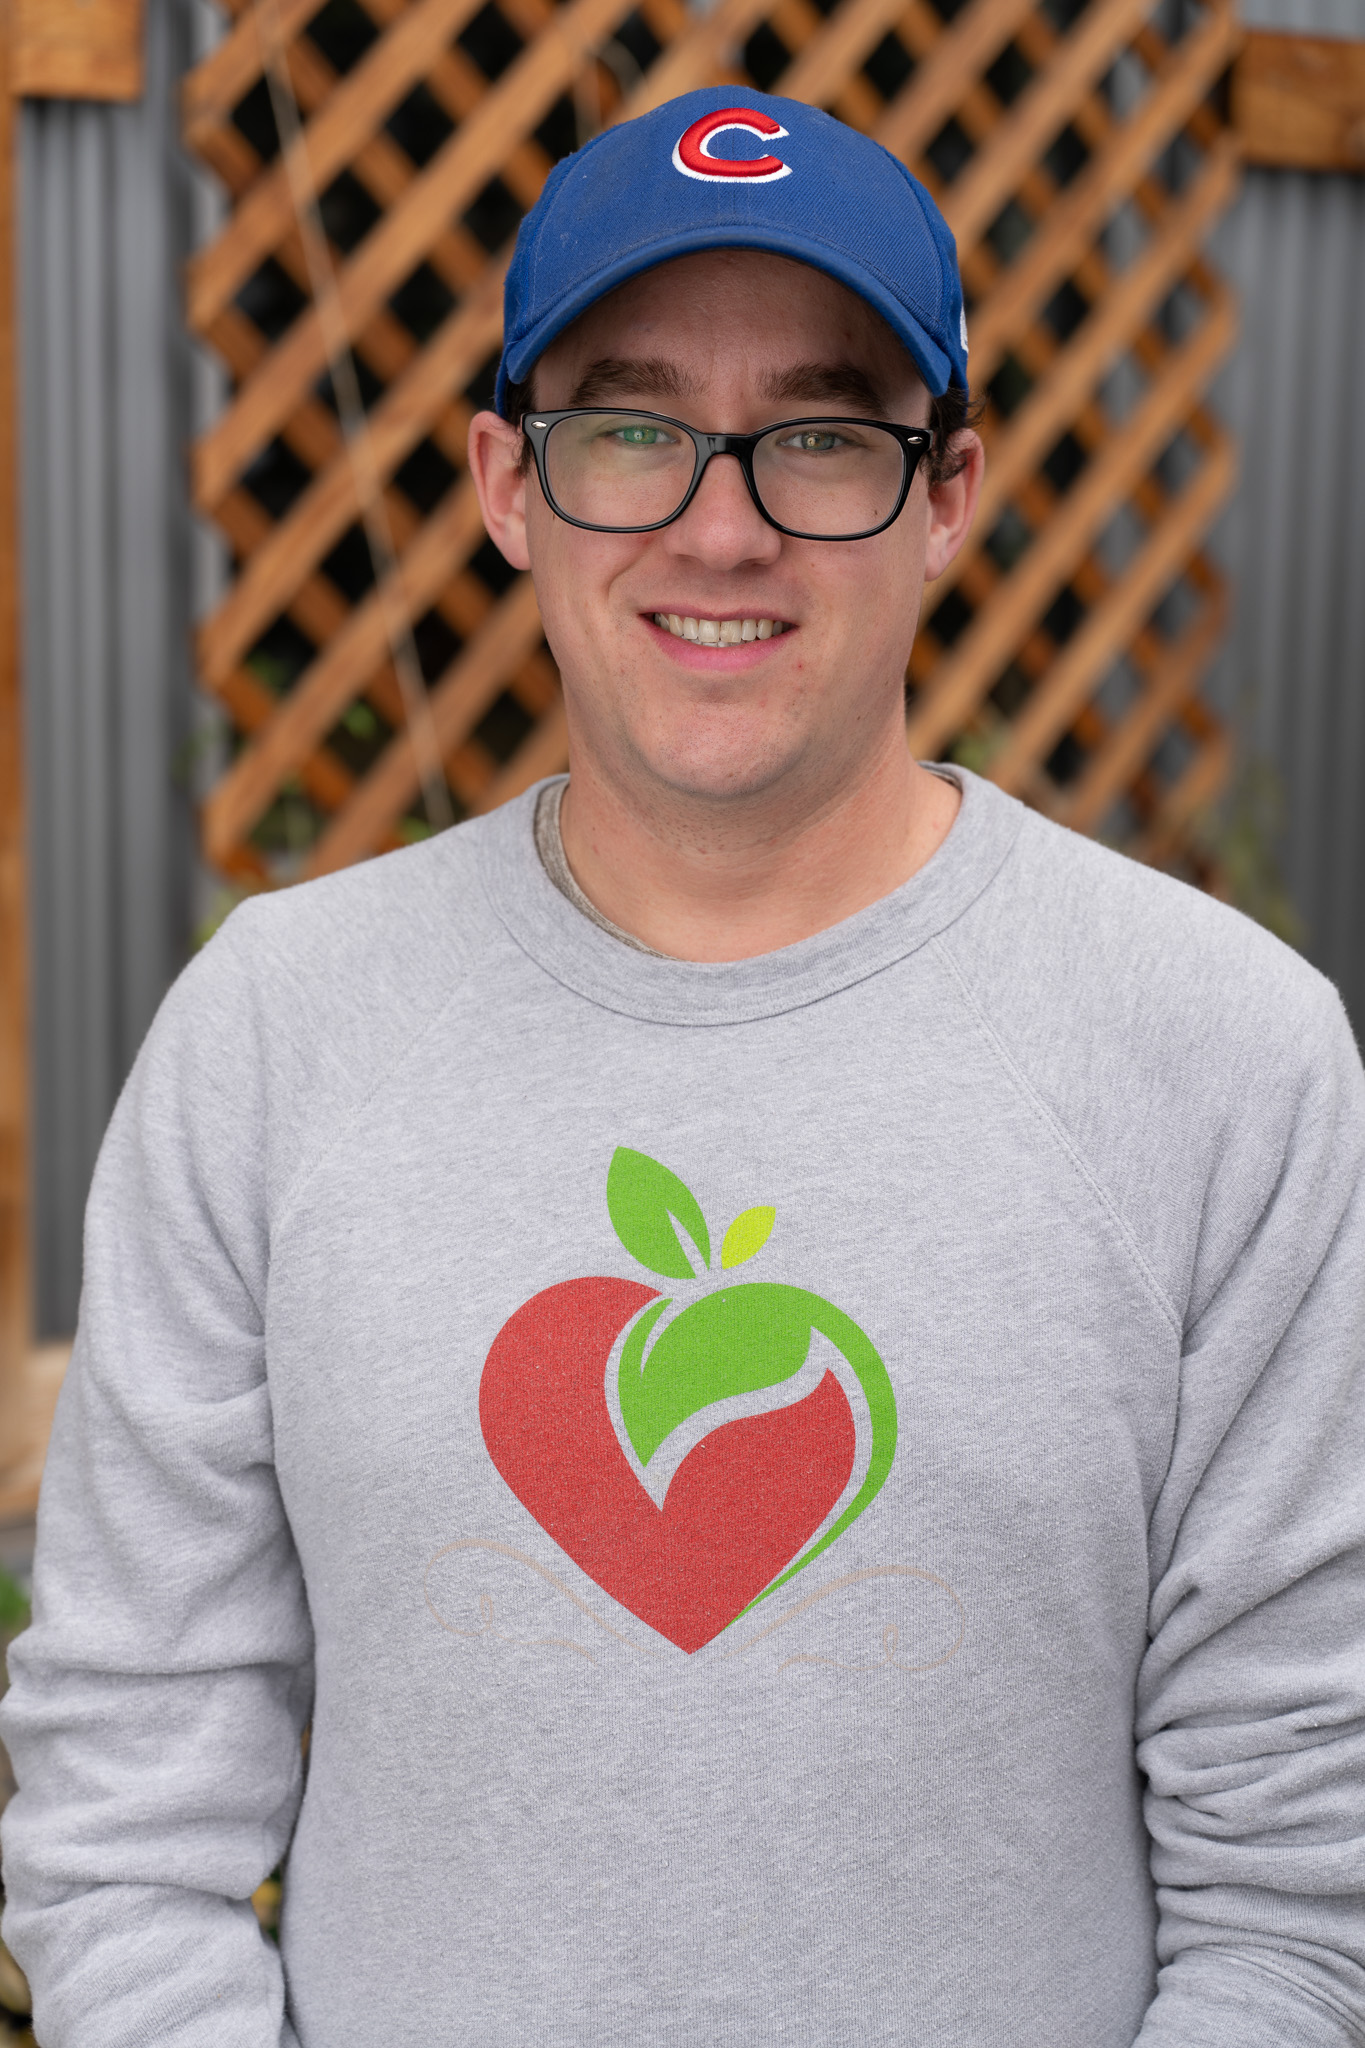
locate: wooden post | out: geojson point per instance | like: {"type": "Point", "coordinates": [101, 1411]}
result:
{"type": "Point", "coordinates": [73, 49]}
{"type": "Point", "coordinates": [15, 1306]}
{"type": "Point", "coordinates": [76, 49]}
{"type": "Point", "coordinates": [1298, 102]}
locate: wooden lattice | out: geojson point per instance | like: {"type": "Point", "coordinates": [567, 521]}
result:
{"type": "Point", "coordinates": [1076, 149]}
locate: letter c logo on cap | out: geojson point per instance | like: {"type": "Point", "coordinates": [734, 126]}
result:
{"type": "Point", "coordinates": [692, 154]}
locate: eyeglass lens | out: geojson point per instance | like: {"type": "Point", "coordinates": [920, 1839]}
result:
{"type": "Point", "coordinates": [824, 478]}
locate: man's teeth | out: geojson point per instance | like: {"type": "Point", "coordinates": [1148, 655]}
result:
{"type": "Point", "coordinates": [719, 632]}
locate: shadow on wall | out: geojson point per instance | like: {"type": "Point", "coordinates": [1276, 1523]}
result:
{"type": "Point", "coordinates": [1243, 836]}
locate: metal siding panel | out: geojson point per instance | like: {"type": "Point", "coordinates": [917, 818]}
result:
{"type": "Point", "coordinates": [108, 690]}
{"type": "Point", "coordinates": [90, 742]}
{"type": "Point", "coordinates": [1294, 538]}
{"type": "Point", "coordinates": [1344, 932]}
{"type": "Point", "coordinates": [153, 623]}
{"type": "Point", "coordinates": [36, 199]}
{"type": "Point", "coordinates": [1306, 17]}
{"type": "Point", "coordinates": [51, 668]}
{"type": "Point", "coordinates": [1299, 673]}
{"type": "Point", "coordinates": [1323, 597]}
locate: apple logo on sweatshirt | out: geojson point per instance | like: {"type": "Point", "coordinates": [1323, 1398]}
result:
{"type": "Point", "coordinates": [610, 1411]}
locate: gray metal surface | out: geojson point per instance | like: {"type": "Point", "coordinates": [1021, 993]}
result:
{"type": "Point", "coordinates": [1293, 675]}
{"type": "Point", "coordinates": [105, 399]}
{"type": "Point", "coordinates": [1295, 542]}
{"type": "Point", "coordinates": [1306, 17]}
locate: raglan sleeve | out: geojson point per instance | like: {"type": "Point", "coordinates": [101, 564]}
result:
{"type": "Point", "coordinates": [1251, 1700]}
{"type": "Point", "coordinates": [157, 1701]}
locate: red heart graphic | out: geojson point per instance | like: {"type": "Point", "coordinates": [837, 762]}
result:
{"type": "Point", "coordinates": [740, 1505]}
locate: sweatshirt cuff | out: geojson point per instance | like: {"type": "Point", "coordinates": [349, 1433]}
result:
{"type": "Point", "coordinates": [1221, 1998]}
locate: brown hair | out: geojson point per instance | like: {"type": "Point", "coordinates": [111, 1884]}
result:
{"type": "Point", "coordinates": [949, 415]}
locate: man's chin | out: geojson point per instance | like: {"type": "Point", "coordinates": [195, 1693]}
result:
{"type": "Point", "coordinates": [736, 772]}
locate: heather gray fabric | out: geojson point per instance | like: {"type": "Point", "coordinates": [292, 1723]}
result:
{"type": "Point", "coordinates": [1082, 1691]}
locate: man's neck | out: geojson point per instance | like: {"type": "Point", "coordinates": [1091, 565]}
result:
{"type": "Point", "coordinates": [701, 881]}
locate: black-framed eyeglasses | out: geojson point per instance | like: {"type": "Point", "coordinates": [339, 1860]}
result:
{"type": "Point", "coordinates": [614, 470]}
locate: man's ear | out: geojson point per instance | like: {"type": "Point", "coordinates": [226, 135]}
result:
{"type": "Point", "coordinates": [952, 504]}
{"type": "Point", "coordinates": [501, 482]}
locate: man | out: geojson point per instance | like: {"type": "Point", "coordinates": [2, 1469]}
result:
{"type": "Point", "coordinates": [944, 1631]}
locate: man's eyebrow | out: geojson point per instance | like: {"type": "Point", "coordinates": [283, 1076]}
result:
{"type": "Point", "coordinates": [611, 377]}
{"type": "Point", "coordinates": [835, 383]}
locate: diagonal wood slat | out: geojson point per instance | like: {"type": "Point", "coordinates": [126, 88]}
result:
{"type": "Point", "coordinates": [457, 700]}
{"type": "Point", "coordinates": [1085, 359]}
{"type": "Point", "coordinates": [1112, 624]}
{"type": "Point", "coordinates": [837, 49]}
{"type": "Point", "coordinates": [1120, 759]}
{"type": "Point", "coordinates": [1063, 651]}
{"type": "Point", "coordinates": [958, 56]}
{"type": "Point", "coordinates": [1081, 212]}
{"type": "Point", "coordinates": [336, 677]}
{"type": "Point", "coordinates": [984, 649]}
{"type": "Point", "coordinates": [223, 79]}
{"type": "Point", "coordinates": [329, 505]}
{"type": "Point", "coordinates": [388, 255]}
{"type": "Point", "coordinates": [1035, 119]}
{"type": "Point", "coordinates": [356, 108]}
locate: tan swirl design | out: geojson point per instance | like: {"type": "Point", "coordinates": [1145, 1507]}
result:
{"type": "Point", "coordinates": [890, 1633]}
{"type": "Point", "coordinates": [889, 1660]}
{"type": "Point", "coordinates": [488, 1624]}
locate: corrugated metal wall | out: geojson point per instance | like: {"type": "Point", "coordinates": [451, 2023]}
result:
{"type": "Point", "coordinates": [108, 561]}
{"type": "Point", "coordinates": [114, 571]}
{"type": "Point", "coordinates": [1294, 540]}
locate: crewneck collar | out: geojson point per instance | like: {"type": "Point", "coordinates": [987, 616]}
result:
{"type": "Point", "coordinates": [596, 965]}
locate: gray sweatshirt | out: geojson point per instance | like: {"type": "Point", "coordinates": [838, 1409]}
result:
{"type": "Point", "coordinates": [814, 1500]}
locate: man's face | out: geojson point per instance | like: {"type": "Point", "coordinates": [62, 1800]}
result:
{"type": "Point", "coordinates": [730, 341]}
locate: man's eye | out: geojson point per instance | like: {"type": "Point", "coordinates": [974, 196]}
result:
{"type": "Point", "coordinates": [814, 441]}
{"type": "Point", "coordinates": [640, 436]}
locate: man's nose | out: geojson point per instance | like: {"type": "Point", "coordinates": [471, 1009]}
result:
{"type": "Point", "coordinates": [723, 527]}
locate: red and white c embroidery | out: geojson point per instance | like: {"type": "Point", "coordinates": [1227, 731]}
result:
{"type": "Point", "coordinates": [693, 156]}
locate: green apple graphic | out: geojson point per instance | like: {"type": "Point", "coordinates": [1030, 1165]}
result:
{"type": "Point", "coordinates": [751, 1335]}
{"type": "Point", "coordinates": [746, 1508]}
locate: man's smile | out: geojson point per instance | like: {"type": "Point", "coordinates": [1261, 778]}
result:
{"type": "Point", "coordinates": [718, 632]}
{"type": "Point", "coordinates": [714, 645]}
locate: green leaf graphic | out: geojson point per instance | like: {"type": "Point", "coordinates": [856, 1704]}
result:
{"type": "Point", "coordinates": [736, 1341]}
{"type": "Point", "coordinates": [643, 1199]}
{"type": "Point", "coordinates": [875, 1381]}
{"type": "Point", "coordinates": [732, 1342]}
{"type": "Point", "coordinates": [747, 1234]}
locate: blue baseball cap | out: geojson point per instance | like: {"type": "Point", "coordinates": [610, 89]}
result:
{"type": "Point", "coordinates": [725, 168]}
